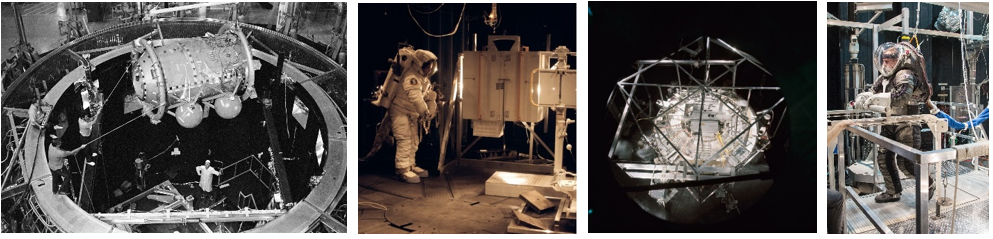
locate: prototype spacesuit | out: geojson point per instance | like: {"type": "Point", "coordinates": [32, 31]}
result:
{"type": "Point", "coordinates": [414, 104]}
{"type": "Point", "coordinates": [901, 89]}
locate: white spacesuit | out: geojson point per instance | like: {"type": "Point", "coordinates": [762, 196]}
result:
{"type": "Point", "coordinates": [413, 105]}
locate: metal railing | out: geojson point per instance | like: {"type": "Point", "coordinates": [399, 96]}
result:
{"type": "Point", "coordinates": [189, 216]}
{"type": "Point", "coordinates": [248, 165]}
{"type": "Point", "coordinates": [922, 158]}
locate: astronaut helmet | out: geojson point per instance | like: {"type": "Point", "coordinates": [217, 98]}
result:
{"type": "Point", "coordinates": [426, 63]}
{"type": "Point", "coordinates": [891, 57]}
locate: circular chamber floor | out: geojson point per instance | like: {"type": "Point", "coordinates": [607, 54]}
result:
{"type": "Point", "coordinates": [446, 216]}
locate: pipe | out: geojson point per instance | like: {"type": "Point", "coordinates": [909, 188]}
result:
{"type": "Point", "coordinates": [250, 70]}
{"type": "Point", "coordinates": [847, 82]}
{"type": "Point", "coordinates": [20, 23]}
{"type": "Point", "coordinates": [159, 76]}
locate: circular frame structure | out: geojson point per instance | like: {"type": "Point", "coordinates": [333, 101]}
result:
{"type": "Point", "coordinates": [57, 71]}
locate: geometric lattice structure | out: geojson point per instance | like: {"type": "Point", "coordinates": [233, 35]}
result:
{"type": "Point", "coordinates": [690, 145]}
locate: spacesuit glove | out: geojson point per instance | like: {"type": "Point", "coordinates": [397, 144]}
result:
{"type": "Point", "coordinates": [425, 114]}
{"type": "Point", "coordinates": [881, 99]}
{"type": "Point", "coordinates": [425, 119]}
{"type": "Point", "coordinates": [862, 100]}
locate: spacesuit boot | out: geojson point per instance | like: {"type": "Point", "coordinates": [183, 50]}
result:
{"type": "Point", "coordinates": [419, 171]}
{"type": "Point", "coordinates": [406, 175]}
{"type": "Point", "coordinates": [887, 197]}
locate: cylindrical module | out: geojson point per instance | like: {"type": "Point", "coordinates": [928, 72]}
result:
{"type": "Point", "coordinates": [201, 68]}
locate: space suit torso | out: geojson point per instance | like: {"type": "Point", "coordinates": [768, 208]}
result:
{"type": "Point", "coordinates": [906, 85]}
{"type": "Point", "coordinates": [410, 96]}
{"type": "Point", "coordinates": [415, 97]}
{"type": "Point", "coordinates": [902, 92]}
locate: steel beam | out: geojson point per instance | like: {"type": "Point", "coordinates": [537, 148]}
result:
{"type": "Point", "coordinates": [189, 217]}
{"type": "Point", "coordinates": [275, 149]}
{"type": "Point", "coordinates": [922, 199]}
{"type": "Point", "coordinates": [898, 148]}
{"type": "Point", "coordinates": [873, 218]}
{"type": "Point", "coordinates": [873, 6]}
{"type": "Point", "coordinates": [892, 21]}
{"type": "Point", "coordinates": [678, 176]}
{"type": "Point", "coordinates": [709, 87]}
{"type": "Point", "coordinates": [720, 180]}
{"type": "Point", "coordinates": [187, 7]}
{"type": "Point", "coordinates": [333, 224]}
{"type": "Point", "coordinates": [15, 190]}
{"type": "Point", "coordinates": [167, 186]}
{"type": "Point", "coordinates": [627, 108]}
{"type": "Point", "coordinates": [980, 7]}
{"type": "Point", "coordinates": [841, 23]}
{"type": "Point", "coordinates": [693, 62]}
{"type": "Point", "coordinates": [673, 168]}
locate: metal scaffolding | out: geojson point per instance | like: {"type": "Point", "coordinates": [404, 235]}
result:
{"type": "Point", "coordinates": [923, 158]}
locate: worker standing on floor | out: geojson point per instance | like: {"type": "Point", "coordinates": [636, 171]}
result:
{"type": "Point", "coordinates": [61, 181]}
{"type": "Point", "coordinates": [140, 168]}
{"type": "Point", "coordinates": [207, 174]}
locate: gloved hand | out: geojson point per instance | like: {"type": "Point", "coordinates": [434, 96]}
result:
{"type": "Point", "coordinates": [862, 100]}
{"type": "Point", "coordinates": [430, 96]}
{"type": "Point", "coordinates": [430, 99]}
{"type": "Point", "coordinates": [423, 114]}
{"type": "Point", "coordinates": [881, 99]}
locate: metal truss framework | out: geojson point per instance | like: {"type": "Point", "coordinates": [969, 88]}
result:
{"type": "Point", "coordinates": [904, 23]}
{"type": "Point", "coordinates": [688, 171]}
{"type": "Point", "coordinates": [923, 158]}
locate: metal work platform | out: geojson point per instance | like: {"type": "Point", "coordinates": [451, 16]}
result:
{"type": "Point", "coordinates": [973, 200]}
{"type": "Point", "coordinates": [189, 217]}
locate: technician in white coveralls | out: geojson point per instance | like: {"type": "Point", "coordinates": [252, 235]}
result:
{"type": "Point", "coordinates": [207, 174]}
{"type": "Point", "coordinates": [411, 107]}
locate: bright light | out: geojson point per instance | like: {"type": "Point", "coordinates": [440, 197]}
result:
{"type": "Point", "coordinates": [461, 72]}
{"type": "Point", "coordinates": [514, 180]}
{"type": "Point", "coordinates": [539, 88]}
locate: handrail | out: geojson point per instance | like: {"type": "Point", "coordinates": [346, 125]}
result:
{"type": "Point", "coordinates": [958, 153]}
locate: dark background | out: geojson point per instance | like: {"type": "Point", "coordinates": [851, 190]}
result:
{"type": "Point", "coordinates": [383, 26]}
{"type": "Point", "coordinates": [782, 36]}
